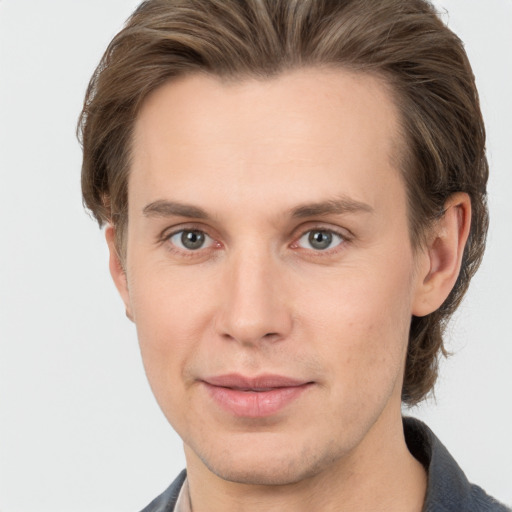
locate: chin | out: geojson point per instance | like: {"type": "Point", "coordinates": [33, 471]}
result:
{"type": "Point", "coordinates": [262, 474]}
{"type": "Point", "coordinates": [268, 466]}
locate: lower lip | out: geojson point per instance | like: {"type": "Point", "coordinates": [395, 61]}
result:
{"type": "Point", "coordinates": [255, 404]}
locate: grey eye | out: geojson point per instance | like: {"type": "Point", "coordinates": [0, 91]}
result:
{"type": "Point", "coordinates": [320, 240]}
{"type": "Point", "coordinates": [190, 240]}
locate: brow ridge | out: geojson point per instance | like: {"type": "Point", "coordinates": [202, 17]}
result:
{"type": "Point", "coordinates": [165, 208]}
{"type": "Point", "coordinates": [336, 206]}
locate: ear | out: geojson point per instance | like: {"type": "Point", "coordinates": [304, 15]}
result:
{"type": "Point", "coordinates": [441, 259]}
{"type": "Point", "coordinates": [117, 270]}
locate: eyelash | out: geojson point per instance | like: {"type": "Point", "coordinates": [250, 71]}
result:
{"type": "Point", "coordinates": [343, 240]}
{"type": "Point", "coordinates": [166, 236]}
{"type": "Point", "coordinates": [344, 237]}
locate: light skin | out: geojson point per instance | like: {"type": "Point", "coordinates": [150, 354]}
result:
{"type": "Point", "coordinates": [268, 234]}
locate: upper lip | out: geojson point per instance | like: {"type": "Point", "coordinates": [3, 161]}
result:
{"type": "Point", "coordinates": [257, 383]}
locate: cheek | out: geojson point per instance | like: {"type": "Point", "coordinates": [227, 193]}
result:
{"type": "Point", "coordinates": [361, 325]}
{"type": "Point", "coordinates": [172, 318]}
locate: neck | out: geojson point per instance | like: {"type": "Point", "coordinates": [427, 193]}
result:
{"type": "Point", "coordinates": [380, 474]}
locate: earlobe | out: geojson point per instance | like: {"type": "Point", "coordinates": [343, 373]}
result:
{"type": "Point", "coordinates": [443, 255]}
{"type": "Point", "coordinates": [117, 270]}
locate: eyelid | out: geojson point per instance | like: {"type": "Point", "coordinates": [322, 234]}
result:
{"type": "Point", "coordinates": [345, 234]}
{"type": "Point", "coordinates": [208, 240]}
{"type": "Point", "coordinates": [335, 239]}
{"type": "Point", "coordinates": [169, 231]}
{"type": "Point", "coordinates": [165, 236]}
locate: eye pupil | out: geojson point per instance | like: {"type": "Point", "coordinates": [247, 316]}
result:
{"type": "Point", "coordinates": [192, 239]}
{"type": "Point", "coordinates": [320, 239]}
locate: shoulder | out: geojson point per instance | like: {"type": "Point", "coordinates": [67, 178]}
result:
{"type": "Point", "coordinates": [167, 500]}
{"type": "Point", "coordinates": [448, 488]}
{"type": "Point", "coordinates": [483, 502]}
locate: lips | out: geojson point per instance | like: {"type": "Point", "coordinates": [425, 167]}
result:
{"type": "Point", "coordinates": [254, 397]}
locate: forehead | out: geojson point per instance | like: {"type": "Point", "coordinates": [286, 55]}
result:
{"type": "Point", "coordinates": [311, 132]}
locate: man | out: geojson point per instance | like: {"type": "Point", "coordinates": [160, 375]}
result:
{"type": "Point", "coordinates": [294, 195]}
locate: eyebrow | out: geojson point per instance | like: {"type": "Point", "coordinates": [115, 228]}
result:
{"type": "Point", "coordinates": [343, 205]}
{"type": "Point", "coordinates": [338, 206]}
{"type": "Point", "coordinates": [163, 208]}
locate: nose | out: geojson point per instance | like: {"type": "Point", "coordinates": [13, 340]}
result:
{"type": "Point", "coordinates": [254, 306]}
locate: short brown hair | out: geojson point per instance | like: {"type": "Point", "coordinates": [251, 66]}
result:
{"type": "Point", "coordinates": [403, 41]}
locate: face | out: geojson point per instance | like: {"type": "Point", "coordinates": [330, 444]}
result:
{"type": "Point", "coordinates": [269, 270]}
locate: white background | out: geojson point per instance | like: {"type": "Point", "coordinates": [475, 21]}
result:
{"type": "Point", "coordinates": [79, 428]}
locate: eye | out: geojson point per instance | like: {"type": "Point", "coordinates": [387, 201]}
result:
{"type": "Point", "coordinates": [320, 240]}
{"type": "Point", "coordinates": [190, 240]}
